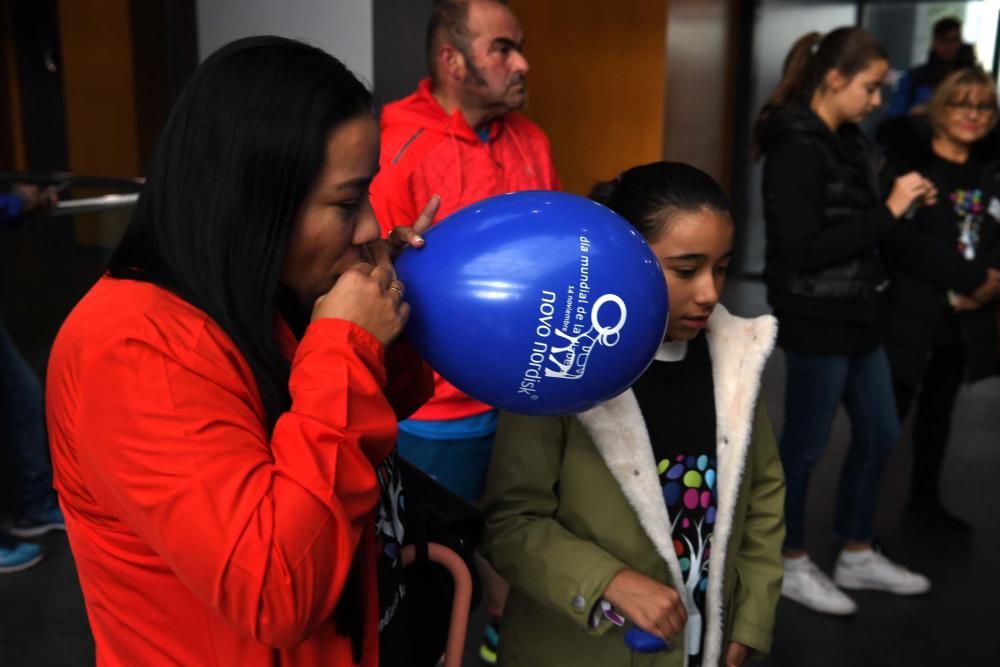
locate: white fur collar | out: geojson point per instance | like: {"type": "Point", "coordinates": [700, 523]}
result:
{"type": "Point", "coordinates": [739, 348]}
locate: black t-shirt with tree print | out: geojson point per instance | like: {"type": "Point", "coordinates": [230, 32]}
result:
{"type": "Point", "coordinates": [677, 400]}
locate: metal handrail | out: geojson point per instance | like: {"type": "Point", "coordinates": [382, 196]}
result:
{"type": "Point", "coordinates": [93, 204]}
{"type": "Point", "coordinates": [65, 179]}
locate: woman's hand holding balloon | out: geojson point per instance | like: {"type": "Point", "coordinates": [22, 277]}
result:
{"type": "Point", "coordinates": [401, 238]}
{"type": "Point", "coordinates": [382, 251]}
{"type": "Point", "coordinates": [369, 296]}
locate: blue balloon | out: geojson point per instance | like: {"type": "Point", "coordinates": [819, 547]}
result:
{"type": "Point", "coordinates": [536, 302]}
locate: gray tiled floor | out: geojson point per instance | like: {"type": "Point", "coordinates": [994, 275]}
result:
{"type": "Point", "coordinates": [42, 620]}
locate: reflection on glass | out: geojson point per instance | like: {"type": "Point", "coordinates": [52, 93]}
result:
{"type": "Point", "coordinates": [905, 28]}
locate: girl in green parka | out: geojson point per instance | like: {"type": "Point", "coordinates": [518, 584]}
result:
{"type": "Point", "coordinates": [662, 507]}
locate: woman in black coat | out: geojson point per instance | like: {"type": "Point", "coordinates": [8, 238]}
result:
{"type": "Point", "coordinates": [943, 325]}
{"type": "Point", "coordinates": [826, 223]}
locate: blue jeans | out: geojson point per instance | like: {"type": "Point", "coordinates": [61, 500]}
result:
{"type": "Point", "coordinates": [22, 431]}
{"type": "Point", "coordinates": [816, 385]}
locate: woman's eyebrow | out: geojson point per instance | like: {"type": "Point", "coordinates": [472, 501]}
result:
{"type": "Point", "coordinates": [354, 183]}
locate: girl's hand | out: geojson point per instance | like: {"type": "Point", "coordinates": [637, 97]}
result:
{"type": "Point", "coordinates": [369, 296]}
{"type": "Point", "coordinates": [930, 197]}
{"type": "Point", "coordinates": [737, 654]}
{"type": "Point", "coordinates": [908, 189]}
{"type": "Point", "coordinates": [401, 238]}
{"type": "Point", "coordinates": [652, 606]}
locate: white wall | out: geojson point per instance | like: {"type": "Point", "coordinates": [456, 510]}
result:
{"type": "Point", "coordinates": [340, 27]}
{"type": "Point", "coordinates": [778, 23]}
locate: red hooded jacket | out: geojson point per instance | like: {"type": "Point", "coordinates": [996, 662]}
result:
{"type": "Point", "coordinates": [425, 152]}
{"type": "Point", "coordinates": [200, 539]}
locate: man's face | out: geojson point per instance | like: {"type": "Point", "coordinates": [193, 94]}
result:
{"type": "Point", "coordinates": [947, 45]}
{"type": "Point", "coordinates": [495, 68]}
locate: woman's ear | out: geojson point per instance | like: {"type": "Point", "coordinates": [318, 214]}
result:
{"type": "Point", "coordinates": [835, 81]}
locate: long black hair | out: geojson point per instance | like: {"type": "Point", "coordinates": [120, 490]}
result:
{"type": "Point", "coordinates": [242, 148]}
{"type": "Point", "coordinates": [243, 145]}
{"type": "Point", "coordinates": [649, 195]}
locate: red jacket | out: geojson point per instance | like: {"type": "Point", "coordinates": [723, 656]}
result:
{"type": "Point", "coordinates": [198, 539]}
{"type": "Point", "coordinates": [425, 152]}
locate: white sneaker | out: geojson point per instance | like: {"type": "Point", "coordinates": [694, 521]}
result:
{"type": "Point", "coordinates": [872, 570]}
{"type": "Point", "coordinates": [809, 586]}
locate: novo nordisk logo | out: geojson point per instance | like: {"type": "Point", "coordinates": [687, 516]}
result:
{"type": "Point", "coordinates": [567, 358]}
{"type": "Point", "coordinates": [570, 360]}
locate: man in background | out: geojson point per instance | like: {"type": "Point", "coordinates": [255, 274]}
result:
{"type": "Point", "coordinates": [948, 53]}
{"type": "Point", "coordinates": [460, 136]}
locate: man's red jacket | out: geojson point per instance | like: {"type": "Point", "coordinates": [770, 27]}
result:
{"type": "Point", "coordinates": [426, 151]}
{"type": "Point", "coordinates": [198, 538]}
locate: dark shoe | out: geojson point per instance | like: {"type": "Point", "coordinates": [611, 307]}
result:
{"type": "Point", "coordinates": [36, 525]}
{"type": "Point", "coordinates": [932, 514]}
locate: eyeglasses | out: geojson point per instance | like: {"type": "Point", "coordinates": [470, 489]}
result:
{"type": "Point", "coordinates": [969, 107]}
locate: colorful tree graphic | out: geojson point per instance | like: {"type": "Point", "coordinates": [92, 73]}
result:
{"type": "Point", "coordinates": [689, 491]}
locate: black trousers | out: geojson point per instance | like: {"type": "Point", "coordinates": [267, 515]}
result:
{"type": "Point", "coordinates": [935, 400]}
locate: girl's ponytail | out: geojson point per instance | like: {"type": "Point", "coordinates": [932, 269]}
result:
{"type": "Point", "coordinates": [796, 71]}
{"type": "Point", "coordinates": [794, 81]}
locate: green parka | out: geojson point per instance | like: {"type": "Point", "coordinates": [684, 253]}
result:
{"type": "Point", "coordinates": [571, 501]}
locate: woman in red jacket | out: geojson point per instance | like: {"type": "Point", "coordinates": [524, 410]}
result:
{"type": "Point", "coordinates": [221, 403]}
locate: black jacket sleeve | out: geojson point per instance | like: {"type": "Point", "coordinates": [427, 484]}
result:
{"type": "Point", "coordinates": [992, 256]}
{"type": "Point", "coordinates": [934, 260]}
{"type": "Point", "coordinates": [793, 196]}
{"type": "Point", "coordinates": [993, 259]}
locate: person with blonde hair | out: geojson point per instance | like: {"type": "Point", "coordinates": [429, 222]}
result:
{"type": "Point", "coordinates": [946, 269]}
